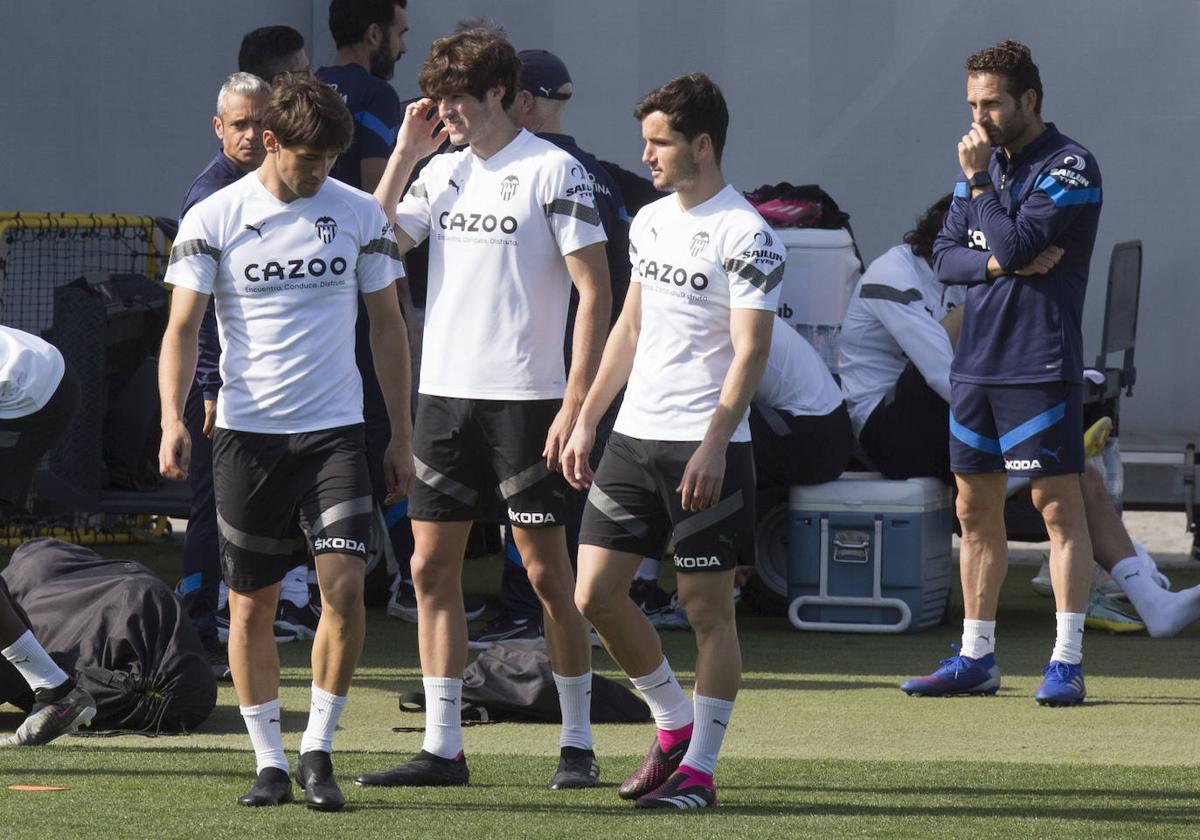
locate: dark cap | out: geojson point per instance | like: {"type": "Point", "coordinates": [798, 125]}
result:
{"type": "Point", "coordinates": [543, 73]}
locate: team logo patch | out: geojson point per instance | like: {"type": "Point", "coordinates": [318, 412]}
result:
{"type": "Point", "coordinates": [508, 187]}
{"type": "Point", "coordinates": [764, 239]}
{"type": "Point", "coordinates": [1075, 162]}
{"type": "Point", "coordinates": [326, 229]}
{"type": "Point", "coordinates": [699, 243]}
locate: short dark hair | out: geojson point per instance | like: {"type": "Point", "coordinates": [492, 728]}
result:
{"type": "Point", "coordinates": [693, 105]}
{"type": "Point", "coordinates": [1013, 61]}
{"type": "Point", "coordinates": [304, 111]}
{"type": "Point", "coordinates": [349, 19]}
{"type": "Point", "coordinates": [265, 51]}
{"type": "Point", "coordinates": [920, 239]}
{"type": "Point", "coordinates": [472, 61]}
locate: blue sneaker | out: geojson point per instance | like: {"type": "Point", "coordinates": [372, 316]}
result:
{"type": "Point", "coordinates": [1062, 685]}
{"type": "Point", "coordinates": [957, 675]}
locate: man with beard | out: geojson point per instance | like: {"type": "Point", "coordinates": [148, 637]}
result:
{"type": "Point", "coordinates": [370, 40]}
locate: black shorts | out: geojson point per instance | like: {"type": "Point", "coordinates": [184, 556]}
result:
{"type": "Point", "coordinates": [633, 505]}
{"type": "Point", "coordinates": [800, 449]}
{"type": "Point", "coordinates": [908, 433]}
{"type": "Point", "coordinates": [24, 440]}
{"type": "Point", "coordinates": [470, 454]}
{"type": "Point", "coordinates": [266, 484]}
{"type": "Point", "coordinates": [1030, 429]}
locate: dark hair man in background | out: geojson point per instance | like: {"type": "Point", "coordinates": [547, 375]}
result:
{"type": "Point", "coordinates": [270, 51]}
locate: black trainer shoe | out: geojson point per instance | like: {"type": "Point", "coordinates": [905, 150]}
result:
{"type": "Point", "coordinates": [314, 774]}
{"type": "Point", "coordinates": [299, 622]}
{"type": "Point", "coordinates": [473, 605]}
{"type": "Point", "coordinates": [218, 660]}
{"type": "Point", "coordinates": [576, 769]}
{"type": "Point", "coordinates": [512, 631]}
{"type": "Point", "coordinates": [56, 711]}
{"type": "Point", "coordinates": [649, 597]}
{"type": "Point", "coordinates": [422, 770]}
{"type": "Point", "coordinates": [681, 792]}
{"type": "Point", "coordinates": [656, 768]}
{"type": "Point", "coordinates": [272, 787]}
{"type": "Point", "coordinates": [403, 603]}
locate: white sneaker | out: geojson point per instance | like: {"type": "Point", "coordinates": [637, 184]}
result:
{"type": "Point", "coordinates": [1041, 581]}
{"type": "Point", "coordinates": [1104, 586]}
{"type": "Point", "coordinates": [1103, 615]}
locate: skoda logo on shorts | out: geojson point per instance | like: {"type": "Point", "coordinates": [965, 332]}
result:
{"type": "Point", "coordinates": [326, 229]}
{"type": "Point", "coordinates": [699, 243]}
{"type": "Point", "coordinates": [508, 187]}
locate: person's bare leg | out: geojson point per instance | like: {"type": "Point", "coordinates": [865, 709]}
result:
{"type": "Point", "coordinates": [437, 563]}
{"type": "Point", "coordinates": [602, 595]}
{"type": "Point", "coordinates": [544, 552]}
{"type": "Point", "coordinates": [983, 550]}
{"type": "Point", "coordinates": [253, 656]}
{"type": "Point", "coordinates": [1059, 500]}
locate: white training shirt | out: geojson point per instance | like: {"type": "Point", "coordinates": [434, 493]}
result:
{"type": "Point", "coordinates": [30, 370]}
{"type": "Point", "coordinates": [496, 307]}
{"type": "Point", "coordinates": [796, 379]}
{"type": "Point", "coordinates": [694, 266]}
{"type": "Point", "coordinates": [286, 277]}
{"type": "Point", "coordinates": [893, 318]}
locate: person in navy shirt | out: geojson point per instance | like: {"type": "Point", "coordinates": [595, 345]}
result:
{"type": "Point", "coordinates": [1019, 234]}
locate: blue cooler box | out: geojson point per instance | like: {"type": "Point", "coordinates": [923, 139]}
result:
{"type": "Point", "coordinates": [869, 555]}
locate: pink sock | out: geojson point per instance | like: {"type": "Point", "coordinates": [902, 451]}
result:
{"type": "Point", "coordinates": [696, 776]}
{"type": "Point", "coordinates": [668, 738]}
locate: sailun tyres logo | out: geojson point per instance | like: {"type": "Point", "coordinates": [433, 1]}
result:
{"type": "Point", "coordinates": [326, 229]}
{"type": "Point", "coordinates": [508, 187]}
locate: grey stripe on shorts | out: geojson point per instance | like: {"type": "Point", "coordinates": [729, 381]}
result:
{"type": "Point", "coordinates": [343, 510]}
{"type": "Point", "coordinates": [604, 503]}
{"type": "Point", "coordinates": [697, 522]}
{"type": "Point", "coordinates": [253, 542]}
{"type": "Point", "coordinates": [774, 421]}
{"type": "Point", "coordinates": [444, 484]}
{"type": "Point", "coordinates": [523, 480]}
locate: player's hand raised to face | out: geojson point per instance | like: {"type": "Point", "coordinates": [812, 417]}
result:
{"type": "Point", "coordinates": [703, 476]}
{"type": "Point", "coordinates": [421, 133]}
{"type": "Point", "coordinates": [974, 150]}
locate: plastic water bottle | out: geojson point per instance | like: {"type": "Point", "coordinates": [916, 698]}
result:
{"type": "Point", "coordinates": [1111, 468]}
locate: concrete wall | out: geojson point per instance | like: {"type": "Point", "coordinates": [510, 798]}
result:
{"type": "Point", "coordinates": [107, 108]}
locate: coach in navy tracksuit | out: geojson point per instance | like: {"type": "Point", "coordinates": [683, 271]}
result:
{"type": "Point", "coordinates": [1019, 232]}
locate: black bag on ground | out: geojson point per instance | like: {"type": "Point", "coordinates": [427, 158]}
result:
{"type": "Point", "coordinates": [120, 630]}
{"type": "Point", "coordinates": [508, 683]}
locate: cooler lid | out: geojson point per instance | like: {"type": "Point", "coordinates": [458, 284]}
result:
{"type": "Point", "coordinates": [814, 238]}
{"type": "Point", "coordinates": [856, 491]}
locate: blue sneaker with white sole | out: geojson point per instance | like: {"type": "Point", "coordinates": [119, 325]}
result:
{"type": "Point", "coordinates": [958, 675]}
{"type": "Point", "coordinates": [1062, 685]}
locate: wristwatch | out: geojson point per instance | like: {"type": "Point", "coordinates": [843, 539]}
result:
{"type": "Point", "coordinates": [979, 180]}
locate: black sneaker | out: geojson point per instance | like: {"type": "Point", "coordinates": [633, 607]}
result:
{"type": "Point", "coordinates": [223, 624]}
{"type": "Point", "coordinates": [511, 631]}
{"type": "Point", "coordinates": [218, 659]}
{"type": "Point", "coordinates": [576, 769]}
{"type": "Point", "coordinates": [422, 770]}
{"type": "Point", "coordinates": [272, 787]}
{"type": "Point", "coordinates": [314, 774]}
{"type": "Point", "coordinates": [300, 622]}
{"type": "Point", "coordinates": [656, 768]}
{"type": "Point", "coordinates": [56, 711]}
{"type": "Point", "coordinates": [649, 597]}
{"type": "Point", "coordinates": [681, 792]}
{"type": "Point", "coordinates": [403, 603]}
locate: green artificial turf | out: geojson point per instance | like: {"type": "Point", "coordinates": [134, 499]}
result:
{"type": "Point", "coordinates": [822, 744]}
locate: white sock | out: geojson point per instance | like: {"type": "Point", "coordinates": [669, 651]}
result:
{"type": "Point", "coordinates": [648, 570]}
{"type": "Point", "coordinates": [1068, 643]}
{"type": "Point", "coordinates": [222, 596]}
{"type": "Point", "coordinates": [1163, 612]}
{"type": "Point", "coordinates": [712, 719]}
{"type": "Point", "coordinates": [1143, 555]}
{"type": "Point", "coordinates": [575, 701]}
{"type": "Point", "coordinates": [443, 716]}
{"type": "Point", "coordinates": [666, 699]}
{"type": "Point", "coordinates": [35, 665]}
{"type": "Point", "coordinates": [323, 714]}
{"type": "Point", "coordinates": [294, 586]}
{"type": "Point", "coordinates": [979, 638]}
{"type": "Point", "coordinates": [262, 722]}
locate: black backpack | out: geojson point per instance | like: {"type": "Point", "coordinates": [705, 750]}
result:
{"type": "Point", "coordinates": [509, 683]}
{"type": "Point", "coordinates": [807, 206]}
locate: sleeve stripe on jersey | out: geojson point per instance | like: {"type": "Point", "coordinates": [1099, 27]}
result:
{"type": "Point", "coordinates": [387, 247]}
{"type": "Point", "coordinates": [632, 248]}
{"type": "Point", "coordinates": [193, 248]}
{"type": "Point", "coordinates": [877, 291]}
{"type": "Point", "coordinates": [418, 191]}
{"type": "Point", "coordinates": [1063, 196]}
{"type": "Point", "coordinates": [369, 121]}
{"type": "Point", "coordinates": [574, 209]}
{"type": "Point", "coordinates": [763, 282]}
{"type": "Point", "coordinates": [961, 190]}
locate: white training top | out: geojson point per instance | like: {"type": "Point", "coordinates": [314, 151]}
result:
{"type": "Point", "coordinates": [286, 277]}
{"type": "Point", "coordinates": [796, 379]}
{"type": "Point", "coordinates": [694, 266]}
{"type": "Point", "coordinates": [893, 317]}
{"type": "Point", "coordinates": [496, 307]}
{"type": "Point", "coordinates": [30, 370]}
